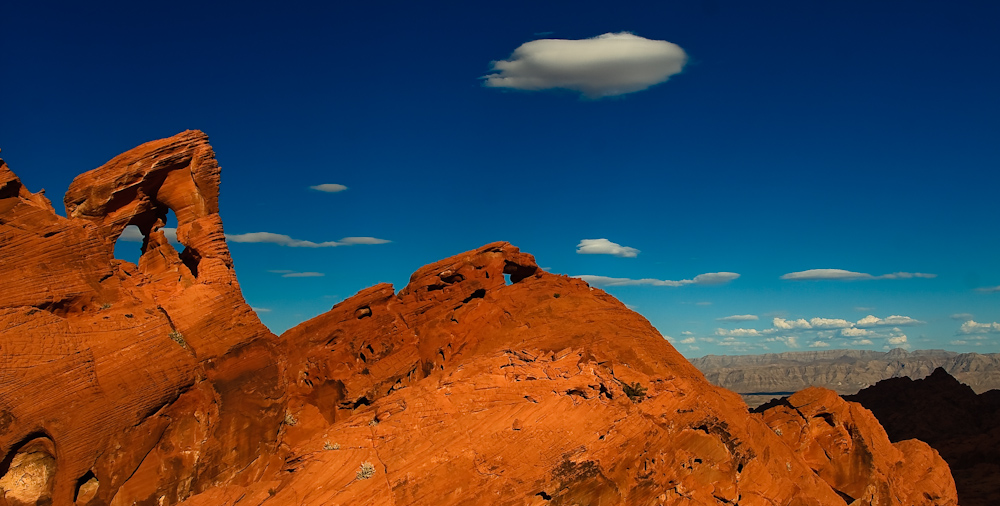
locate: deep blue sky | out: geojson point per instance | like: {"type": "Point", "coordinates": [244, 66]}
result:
{"type": "Point", "coordinates": [852, 135]}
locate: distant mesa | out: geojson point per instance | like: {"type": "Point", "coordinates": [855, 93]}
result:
{"type": "Point", "coordinates": [155, 383]}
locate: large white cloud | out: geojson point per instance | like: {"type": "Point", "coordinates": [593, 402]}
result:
{"type": "Point", "coordinates": [816, 274]}
{"type": "Point", "coordinates": [603, 66]}
{"type": "Point", "coordinates": [284, 240]}
{"type": "Point", "coordinates": [781, 323]}
{"type": "Point", "coordinates": [605, 247]}
{"type": "Point", "coordinates": [711, 278]}
{"type": "Point", "coordinates": [829, 323]}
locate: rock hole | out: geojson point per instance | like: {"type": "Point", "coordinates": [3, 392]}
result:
{"type": "Point", "coordinates": [86, 488]}
{"type": "Point", "coordinates": [543, 495]}
{"type": "Point", "coordinates": [453, 278]}
{"type": "Point", "coordinates": [27, 473]}
{"type": "Point", "coordinates": [363, 312]}
{"type": "Point", "coordinates": [478, 294]}
{"type": "Point", "coordinates": [506, 279]}
{"type": "Point", "coordinates": [518, 272]}
{"type": "Point", "coordinates": [848, 499]}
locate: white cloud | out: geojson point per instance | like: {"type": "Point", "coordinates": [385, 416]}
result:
{"type": "Point", "coordinates": [873, 321]}
{"type": "Point", "coordinates": [687, 333]}
{"type": "Point", "coordinates": [829, 323]}
{"type": "Point", "coordinates": [261, 309]}
{"type": "Point", "coordinates": [900, 339]}
{"type": "Point", "coordinates": [738, 318]}
{"type": "Point", "coordinates": [737, 332]}
{"type": "Point", "coordinates": [688, 340]}
{"type": "Point", "coordinates": [605, 247]}
{"type": "Point", "coordinates": [861, 341]}
{"type": "Point", "coordinates": [815, 274]}
{"type": "Point", "coordinates": [961, 316]}
{"type": "Point", "coordinates": [790, 341]}
{"type": "Point", "coordinates": [972, 327]}
{"type": "Point", "coordinates": [854, 332]}
{"type": "Point", "coordinates": [606, 65]}
{"type": "Point", "coordinates": [329, 188]}
{"type": "Point", "coordinates": [959, 341]}
{"type": "Point", "coordinates": [781, 323]}
{"type": "Point", "coordinates": [989, 289]}
{"type": "Point", "coordinates": [284, 240]}
{"type": "Point", "coordinates": [712, 278]}
{"type": "Point", "coordinates": [819, 344]}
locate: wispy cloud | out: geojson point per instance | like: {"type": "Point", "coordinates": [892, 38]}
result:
{"type": "Point", "coordinates": [989, 289]}
{"type": "Point", "coordinates": [606, 65]}
{"type": "Point", "coordinates": [738, 318]}
{"type": "Point", "coordinates": [261, 309]}
{"type": "Point", "coordinates": [605, 247]}
{"type": "Point", "coordinates": [841, 274]}
{"type": "Point", "coordinates": [819, 344]}
{"type": "Point", "coordinates": [329, 188]}
{"type": "Point", "coordinates": [294, 274]}
{"type": "Point", "coordinates": [711, 278]}
{"type": "Point", "coordinates": [284, 240]}
{"type": "Point", "coordinates": [961, 316]}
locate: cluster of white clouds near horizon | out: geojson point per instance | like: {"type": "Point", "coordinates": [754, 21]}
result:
{"type": "Point", "coordinates": [818, 331]}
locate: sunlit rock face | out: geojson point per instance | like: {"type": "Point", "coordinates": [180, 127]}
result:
{"type": "Point", "coordinates": [485, 380]}
{"type": "Point", "coordinates": [144, 381]}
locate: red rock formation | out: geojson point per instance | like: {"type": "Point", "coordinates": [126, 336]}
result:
{"type": "Point", "coordinates": [155, 383]}
{"type": "Point", "coordinates": [122, 383]}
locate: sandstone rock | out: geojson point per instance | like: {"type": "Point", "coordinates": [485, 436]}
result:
{"type": "Point", "coordinates": [155, 383]}
{"type": "Point", "coordinates": [128, 382]}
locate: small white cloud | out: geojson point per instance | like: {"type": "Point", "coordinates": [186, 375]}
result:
{"type": "Point", "coordinates": [605, 247]}
{"type": "Point", "coordinates": [855, 332]}
{"type": "Point", "coordinates": [688, 340]}
{"type": "Point", "coordinates": [285, 273]}
{"type": "Point", "coordinates": [899, 339]}
{"type": "Point", "coordinates": [329, 188]}
{"type": "Point", "coordinates": [873, 321]}
{"type": "Point", "coordinates": [781, 323]}
{"type": "Point", "coordinates": [841, 274]}
{"type": "Point", "coordinates": [261, 309]}
{"type": "Point", "coordinates": [989, 289]}
{"type": "Point", "coordinates": [959, 341]}
{"type": "Point", "coordinates": [284, 240]}
{"type": "Point", "coordinates": [687, 333]}
{"type": "Point", "coordinates": [790, 341]}
{"type": "Point", "coordinates": [859, 342]}
{"type": "Point", "coordinates": [303, 275]}
{"type": "Point", "coordinates": [829, 323]}
{"type": "Point", "coordinates": [603, 66]}
{"type": "Point", "coordinates": [961, 316]}
{"type": "Point", "coordinates": [819, 344]}
{"type": "Point", "coordinates": [738, 318]}
{"type": "Point", "coordinates": [863, 309]}
{"type": "Point", "coordinates": [972, 327]}
{"type": "Point", "coordinates": [712, 278]}
{"type": "Point", "coordinates": [737, 332]}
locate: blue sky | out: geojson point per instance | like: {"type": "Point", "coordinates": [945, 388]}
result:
{"type": "Point", "coordinates": [859, 136]}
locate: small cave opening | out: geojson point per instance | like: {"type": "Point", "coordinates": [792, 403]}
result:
{"type": "Point", "coordinates": [27, 472]}
{"type": "Point", "coordinates": [86, 488]}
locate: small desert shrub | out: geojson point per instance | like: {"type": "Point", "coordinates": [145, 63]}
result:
{"type": "Point", "coordinates": [106, 306]}
{"type": "Point", "coordinates": [373, 423]}
{"type": "Point", "coordinates": [328, 446]}
{"type": "Point", "coordinates": [635, 391]}
{"type": "Point", "coordinates": [290, 419]}
{"type": "Point", "coordinates": [178, 337]}
{"type": "Point", "coordinates": [366, 471]}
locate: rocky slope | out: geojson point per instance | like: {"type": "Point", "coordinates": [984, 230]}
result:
{"type": "Point", "coordinates": [153, 384]}
{"type": "Point", "coordinates": [762, 377]}
{"type": "Point", "coordinates": [963, 426]}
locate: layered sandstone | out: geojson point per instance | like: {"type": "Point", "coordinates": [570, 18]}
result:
{"type": "Point", "coordinates": [123, 383]}
{"type": "Point", "coordinates": [485, 380]}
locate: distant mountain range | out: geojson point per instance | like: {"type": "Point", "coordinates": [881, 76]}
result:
{"type": "Point", "coordinates": [759, 378]}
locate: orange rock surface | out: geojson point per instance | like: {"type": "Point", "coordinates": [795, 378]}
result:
{"type": "Point", "coordinates": [463, 388]}
{"type": "Point", "coordinates": [123, 383]}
